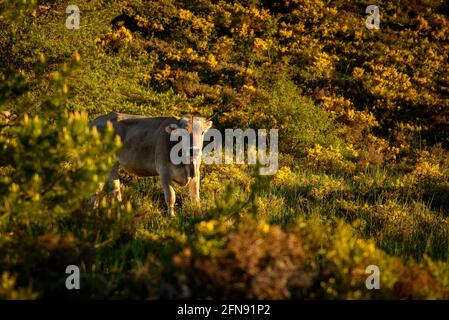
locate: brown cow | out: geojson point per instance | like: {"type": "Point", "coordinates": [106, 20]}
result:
{"type": "Point", "coordinates": [146, 148]}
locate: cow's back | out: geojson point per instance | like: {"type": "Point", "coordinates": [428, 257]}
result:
{"type": "Point", "coordinates": [101, 122]}
{"type": "Point", "coordinates": [140, 138]}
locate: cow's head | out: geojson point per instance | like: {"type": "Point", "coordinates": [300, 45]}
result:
{"type": "Point", "coordinates": [192, 129]}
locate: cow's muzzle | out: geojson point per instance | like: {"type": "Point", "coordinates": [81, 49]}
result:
{"type": "Point", "coordinates": [194, 151]}
{"type": "Point", "coordinates": [195, 155]}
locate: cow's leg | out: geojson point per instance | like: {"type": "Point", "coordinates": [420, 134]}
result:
{"type": "Point", "coordinates": [194, 189]}
{"type": "Point", "coordinates": [115, 182]}
{"type": "Point", "coordinates": [169, 193]}
{"type": "Point", "coordinates": [194, 185]}
{"type": "Point", "coordinates": [94, 199]}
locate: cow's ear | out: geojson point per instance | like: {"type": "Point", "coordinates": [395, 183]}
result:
{"type": "Point", "coordinates": [171, 127]}
{"type": "Point", "coordinates": [207, 125]}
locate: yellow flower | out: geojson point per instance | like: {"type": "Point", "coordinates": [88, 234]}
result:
{"type": "Point", "coordinates": [211, 61]}
{"type": "Point", "coordinates": [260, 44]}
{"type": "Point", "coordinates": [285, 33]}
{"type": "Point", "coordinates": [14, 187]}
{"type": "Point", "coordinates": [185, 14]}
{"type": "Point", "coordinates": [265, 227]}
{"type": "Point", "coordinates": [249, 88]}
{"type": "Point", "coordinates": [283, 176]}
{"type": "Point", "coordinates": [207, 226]}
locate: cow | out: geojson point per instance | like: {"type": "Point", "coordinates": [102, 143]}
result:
{"type": "Point", "coordinates": [146, 148]}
